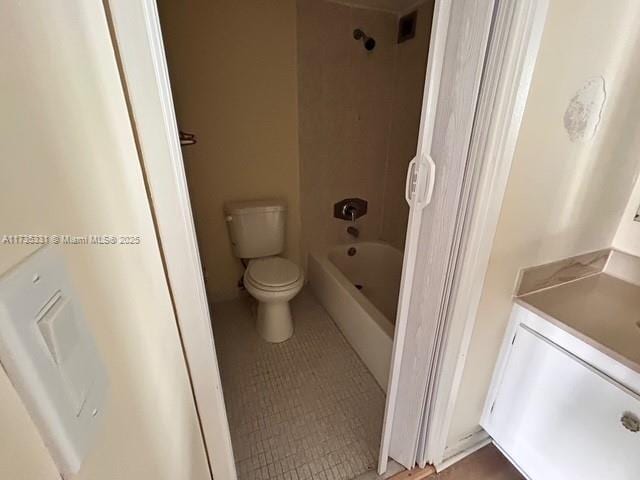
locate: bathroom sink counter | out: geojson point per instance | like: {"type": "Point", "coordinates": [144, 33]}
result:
{"type": "Point", "coordinates": [564, 401]}
{"type": "Point", "coordinates": [601, 310]}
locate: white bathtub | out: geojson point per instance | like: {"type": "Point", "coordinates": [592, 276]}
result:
{"type": "Point", "coordinates": [360, 292]}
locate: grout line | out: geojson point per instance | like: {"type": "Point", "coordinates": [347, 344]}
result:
{"type": "Point", "coordinates": [306, 408]}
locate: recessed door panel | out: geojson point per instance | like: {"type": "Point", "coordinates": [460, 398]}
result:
{"type": "Point", "coordinates": [557, 418]}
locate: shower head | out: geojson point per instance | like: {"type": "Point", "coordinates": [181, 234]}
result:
{"type": "Point", "coordinates": [369, 42]}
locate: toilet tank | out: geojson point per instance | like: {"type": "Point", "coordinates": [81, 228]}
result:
{"type": "Point", "coordinates": [256, 227]}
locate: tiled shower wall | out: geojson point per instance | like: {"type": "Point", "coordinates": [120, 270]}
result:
{"type": "Point", "coordinates": [359, 115]}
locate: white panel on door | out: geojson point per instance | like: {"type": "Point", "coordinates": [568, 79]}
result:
{"type": "Point", "coordinates": [434, 194]}
{"type": "Point", "coordinates": [559, 419]}
{"type": "Point", "coordinates": [50, 356]}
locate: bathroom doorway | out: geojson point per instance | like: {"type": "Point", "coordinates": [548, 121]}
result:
{"type": "Point", "coordinates": [330, 94]}
{"type": "Point", "coordinates": [167, 187]}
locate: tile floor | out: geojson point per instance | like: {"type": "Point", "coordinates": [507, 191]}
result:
{"type": "Point", "coordinates": [307, 408]}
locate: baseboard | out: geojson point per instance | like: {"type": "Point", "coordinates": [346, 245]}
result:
{"type": "Point", "coordinates": [462, 448]}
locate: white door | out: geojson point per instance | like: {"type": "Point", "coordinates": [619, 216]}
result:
{"type": "Point", "coordinates": [558, 418]}
{"type": "Point", "coordinates": [458, 49]}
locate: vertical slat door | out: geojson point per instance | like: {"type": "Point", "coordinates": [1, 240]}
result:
{"type": "Point", "coordinates": [460, 39]}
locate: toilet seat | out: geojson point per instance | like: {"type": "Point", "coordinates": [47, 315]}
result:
{"type": "Point", "coordinates": [273, 274]}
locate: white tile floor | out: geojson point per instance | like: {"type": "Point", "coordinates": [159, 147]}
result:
{"type": "Point", "coordinates": [307, 408]}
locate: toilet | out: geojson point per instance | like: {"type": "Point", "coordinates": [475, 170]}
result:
{"type": "Point", "coordinates": [257, 234]}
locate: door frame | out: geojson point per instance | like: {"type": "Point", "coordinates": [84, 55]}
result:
{"type": "Point", "coordinates": [514, 43]}
{"type": "Point", "coordinates": [139, 50]}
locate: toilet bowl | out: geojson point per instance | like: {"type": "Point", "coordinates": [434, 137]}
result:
{"type": "Point", "coordinates": [257, 231]}
{"type": "Point", "coordinates": [273, 282]}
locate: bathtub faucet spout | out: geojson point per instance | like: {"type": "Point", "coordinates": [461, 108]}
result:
{"type": "Point", "coordinates": [353, 231]}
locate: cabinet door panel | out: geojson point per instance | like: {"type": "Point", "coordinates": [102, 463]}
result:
{"type": "Point", "coordinates": [558, 419]}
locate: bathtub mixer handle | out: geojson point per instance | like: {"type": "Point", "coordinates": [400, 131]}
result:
{"type": "Point", "coordinates": [350, 209]}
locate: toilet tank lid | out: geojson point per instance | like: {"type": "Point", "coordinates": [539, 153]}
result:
{"type": "Point", "coordinates": [254, 206]}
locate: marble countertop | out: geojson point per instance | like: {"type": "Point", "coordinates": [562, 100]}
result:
{"type": "Point", "coordinates": [602, 308]}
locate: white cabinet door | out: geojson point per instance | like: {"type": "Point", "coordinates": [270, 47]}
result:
{"type": "Point", "coordinates": [558, 419]}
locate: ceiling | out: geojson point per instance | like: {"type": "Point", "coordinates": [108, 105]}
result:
{"type": "Point", "coordinates": [393, 6]}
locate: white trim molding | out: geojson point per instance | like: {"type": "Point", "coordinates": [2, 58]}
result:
{"type": "Point", "coordinates": [515, 40]}
{"type": "Point", "coordinates": [138, 38]}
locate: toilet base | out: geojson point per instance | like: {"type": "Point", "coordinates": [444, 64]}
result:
{"type": "Point", "coordinates": [274, 322]}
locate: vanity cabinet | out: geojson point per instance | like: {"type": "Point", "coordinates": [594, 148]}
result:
{"type": "Point", "coordinates": [556, 415]}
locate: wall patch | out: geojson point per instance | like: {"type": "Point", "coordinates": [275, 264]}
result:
{"type": "Point", "coordinates": [583, 114]}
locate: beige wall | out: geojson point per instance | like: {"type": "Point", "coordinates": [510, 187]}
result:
{"type": "Point", "coordinates": [409, 76]}
{"type": "Point", "coordinates": [628, 235]}
{"type": "Point", "coordinates": [233, 75]}
{"type": "Point", "coordinates": [237, 82]}
{"type": "Point", "coordinates": [359, 115]}
{"type": "Point", "coordinates": [562, 198]}
{"type": "Point", "coordinates": [345, 96]}
{"type": "Point", "coordinates": [70, 166]}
